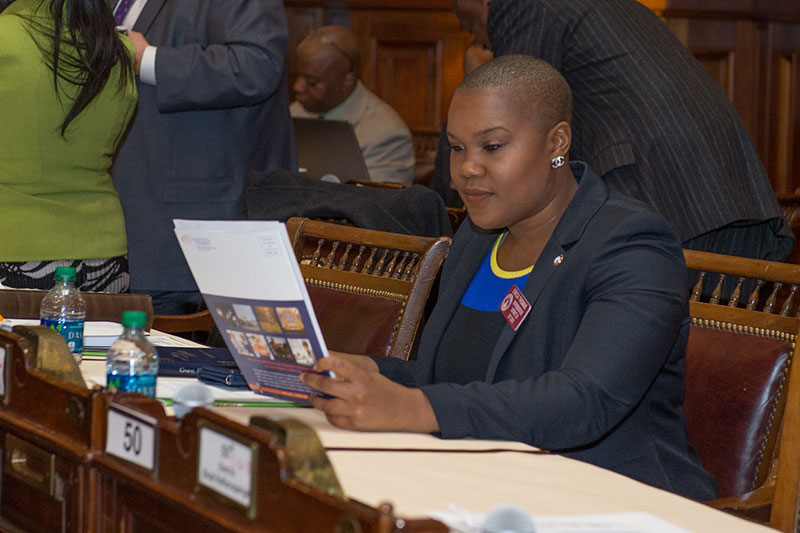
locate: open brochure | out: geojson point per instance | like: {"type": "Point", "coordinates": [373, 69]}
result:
{"type": "Point", "coordinates": [251, 283]}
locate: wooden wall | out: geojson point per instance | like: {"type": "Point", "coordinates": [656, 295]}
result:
{"type": "Point", "coordinates": [752, 49]}
{"type": "Point", "coordinates": [413, 49]}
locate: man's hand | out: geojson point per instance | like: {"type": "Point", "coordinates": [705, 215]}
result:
{"type": "Point", "coordinates": [366, 400]}
{"type": "Point", "coordinates": [140, 43]}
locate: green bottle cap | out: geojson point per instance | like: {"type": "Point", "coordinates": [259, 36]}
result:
{"type": "Point", "coordinates": [134, 319]}
{"type": "Point", "coordinates": [65, 273]}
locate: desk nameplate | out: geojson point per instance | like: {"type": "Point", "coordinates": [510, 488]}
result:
{"type": "Point", "coordinates": [132, 436]}
{"type": "Point", "coordinates": [227, 465]}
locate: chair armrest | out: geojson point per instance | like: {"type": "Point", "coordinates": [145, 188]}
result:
{"type": "Point", "coordinates": [755, 505]}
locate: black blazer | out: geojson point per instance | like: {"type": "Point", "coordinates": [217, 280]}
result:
{"type": "Point", "coordinates": [219, 109]}
{"type": "Point", "coordinates": [647, 117]}
{"type": "Point", "coordinates": [596, 369]}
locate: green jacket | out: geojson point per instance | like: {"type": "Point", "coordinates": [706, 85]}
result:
{"type": "Point", "coordinates": [57, 200]}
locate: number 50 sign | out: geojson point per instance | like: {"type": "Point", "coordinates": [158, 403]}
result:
{"type": "Point", "coordinates": [131, 436]}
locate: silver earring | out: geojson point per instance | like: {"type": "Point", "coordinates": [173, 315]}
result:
{"type": "Point", "coordinates": [557, 162]}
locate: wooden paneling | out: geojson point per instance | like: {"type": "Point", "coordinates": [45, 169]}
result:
{"type": "Point", "coordinates": [413, 51]}
{"type": "Point", "coordinates": [782, 124]}
{"type": "Point", "coordinates": [751, 49]}
{"type": "Point", "coordinates": [413, 61]}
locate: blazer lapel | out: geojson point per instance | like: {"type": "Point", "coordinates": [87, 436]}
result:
{"type": "Point", "coordinates": [148, 15]}
{"type": "Point", "coordinates": [537, 281]}
{"type": "Point", "coordinates": [590, 196]}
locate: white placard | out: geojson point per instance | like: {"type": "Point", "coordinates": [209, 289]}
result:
{"type": "Point", "coordinates": [2, 371]}
{"type": "Point", "coordinates": [226, 466]}
{"type": "Point", "coordinates": [131, 436]}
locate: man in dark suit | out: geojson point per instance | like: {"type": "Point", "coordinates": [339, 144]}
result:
{"type": "Point", "coordinates": [647, 117]}
{"type": "Point", "coordinates": [213, 105]}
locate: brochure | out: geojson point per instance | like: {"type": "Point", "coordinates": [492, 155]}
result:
{"type": "Point", "coordinates": [249, 277]}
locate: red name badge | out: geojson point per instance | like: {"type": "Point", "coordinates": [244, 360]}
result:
{"type": "Point", "coordinates": [515, 307]}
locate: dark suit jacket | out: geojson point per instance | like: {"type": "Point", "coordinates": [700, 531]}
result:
{"type": "Point", "coordinates": [280, 194]}
{"type": "Point", "coordinates": [218, 110]}
{"type": "Point", "coordinates": [596, 369]}
{"type": "Point", "coordinates": [647, 117]}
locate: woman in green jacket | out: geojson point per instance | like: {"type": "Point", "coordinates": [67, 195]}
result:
{"type": "Point", "coordinates": [67, 92]}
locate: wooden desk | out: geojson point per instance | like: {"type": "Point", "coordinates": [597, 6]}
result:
{"type": "Point", "coordinates": [419, 474]}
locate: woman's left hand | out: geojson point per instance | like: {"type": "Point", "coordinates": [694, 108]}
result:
{"type": "Point", "coordinates": [365, 400]}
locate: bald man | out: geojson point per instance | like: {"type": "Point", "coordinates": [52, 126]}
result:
{"type": "Point", "coordinates": [327, 86]}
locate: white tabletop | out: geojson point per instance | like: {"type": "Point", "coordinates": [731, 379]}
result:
{"type": "Point", "coordinates": [421, 474]}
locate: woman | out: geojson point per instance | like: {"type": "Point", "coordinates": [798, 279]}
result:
{"type": "Point", "coordinates": [67, 92]}
{"type": "Point", "coordinates": [562, 316]}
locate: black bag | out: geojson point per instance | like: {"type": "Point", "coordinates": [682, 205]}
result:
{"type": "Point", "coordinates": [226, 377]}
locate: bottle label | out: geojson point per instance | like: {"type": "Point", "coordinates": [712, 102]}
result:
{"type": "Point", "coordinates": [71, 330]}
{"type": "Point", "coordinates": [142, 383]}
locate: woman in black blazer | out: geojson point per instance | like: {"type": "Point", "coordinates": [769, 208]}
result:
{"type": "Point", "coordinates": [562, 316]}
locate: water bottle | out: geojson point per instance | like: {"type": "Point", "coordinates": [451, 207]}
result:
{"type": "Point", "coordinates": [64, 310]}
{"type": "Point", "coordinates": [132, 363]}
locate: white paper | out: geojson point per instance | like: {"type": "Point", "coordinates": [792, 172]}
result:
{"type": "Point", "coordinates": [462, 521]}
{"type": "Point", "coordinates": [240, 260]}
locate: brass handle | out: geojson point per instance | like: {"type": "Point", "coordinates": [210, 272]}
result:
{"type": "Point", "coordinates": [30, 464]}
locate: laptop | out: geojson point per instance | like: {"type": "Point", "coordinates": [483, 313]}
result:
{"type": "Point", "coordinates": [327, 148]}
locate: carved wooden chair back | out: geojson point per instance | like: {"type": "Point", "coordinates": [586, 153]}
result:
{"type": "Point", "coordinates": [771, 287]}
{"type": "Point", "coordinates": [742, 395]}
{"type": "Point", "coordinates": [737, 365]}
{"type": "Point", "coordinates": [369, 288]}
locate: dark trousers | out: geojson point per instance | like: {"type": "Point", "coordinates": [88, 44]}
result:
{"type": "Point", "coordinates": [175, 302]}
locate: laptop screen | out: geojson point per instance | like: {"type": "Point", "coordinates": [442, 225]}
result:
{"type": "Point", "coordinates": [328, 147]}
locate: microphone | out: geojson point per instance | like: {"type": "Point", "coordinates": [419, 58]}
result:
{"type": "Point", "coordinates": [333, 178]}
{"type": "Point", "coordinates": [508, 518]}
{"type": "Point", "coordinates": [190, 396]}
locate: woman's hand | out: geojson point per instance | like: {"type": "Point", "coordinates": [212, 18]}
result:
{"type": "Point", "coordinates": [366, 400]}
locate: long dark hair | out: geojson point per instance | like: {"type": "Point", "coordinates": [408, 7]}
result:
{"type": "Point", "coordinates": [92, 49]}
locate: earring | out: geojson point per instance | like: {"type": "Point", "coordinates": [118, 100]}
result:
{"type": "Point", "coordinates": [557, 162]}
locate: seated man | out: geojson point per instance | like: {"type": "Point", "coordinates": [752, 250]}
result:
{"type": "Point", "coordinates": [327, 86]}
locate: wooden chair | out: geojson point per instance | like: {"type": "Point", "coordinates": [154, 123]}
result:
{"type": "Point", "coordinates": [784, 515]}
{"type": "Point", "coordinates": [740, 381]}
{"type": "Point", "coordinates": [200, 321]}
{"type": "Point", "coordinates": [457, 216]}
{"type": "Point", "coordinates": [369, 288]}
{"type": "Point", "coordinates": [775, 284]}
{"type": "Point", "coordinates": [26, 303]}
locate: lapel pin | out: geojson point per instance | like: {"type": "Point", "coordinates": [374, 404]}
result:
{"type": "Point", "coordinates": [557, 261]}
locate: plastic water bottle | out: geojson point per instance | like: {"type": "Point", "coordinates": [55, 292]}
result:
{"type": "Point", "coordinates": [132, 363]}
{"type": "Point", "coordinates": [64, 310]}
